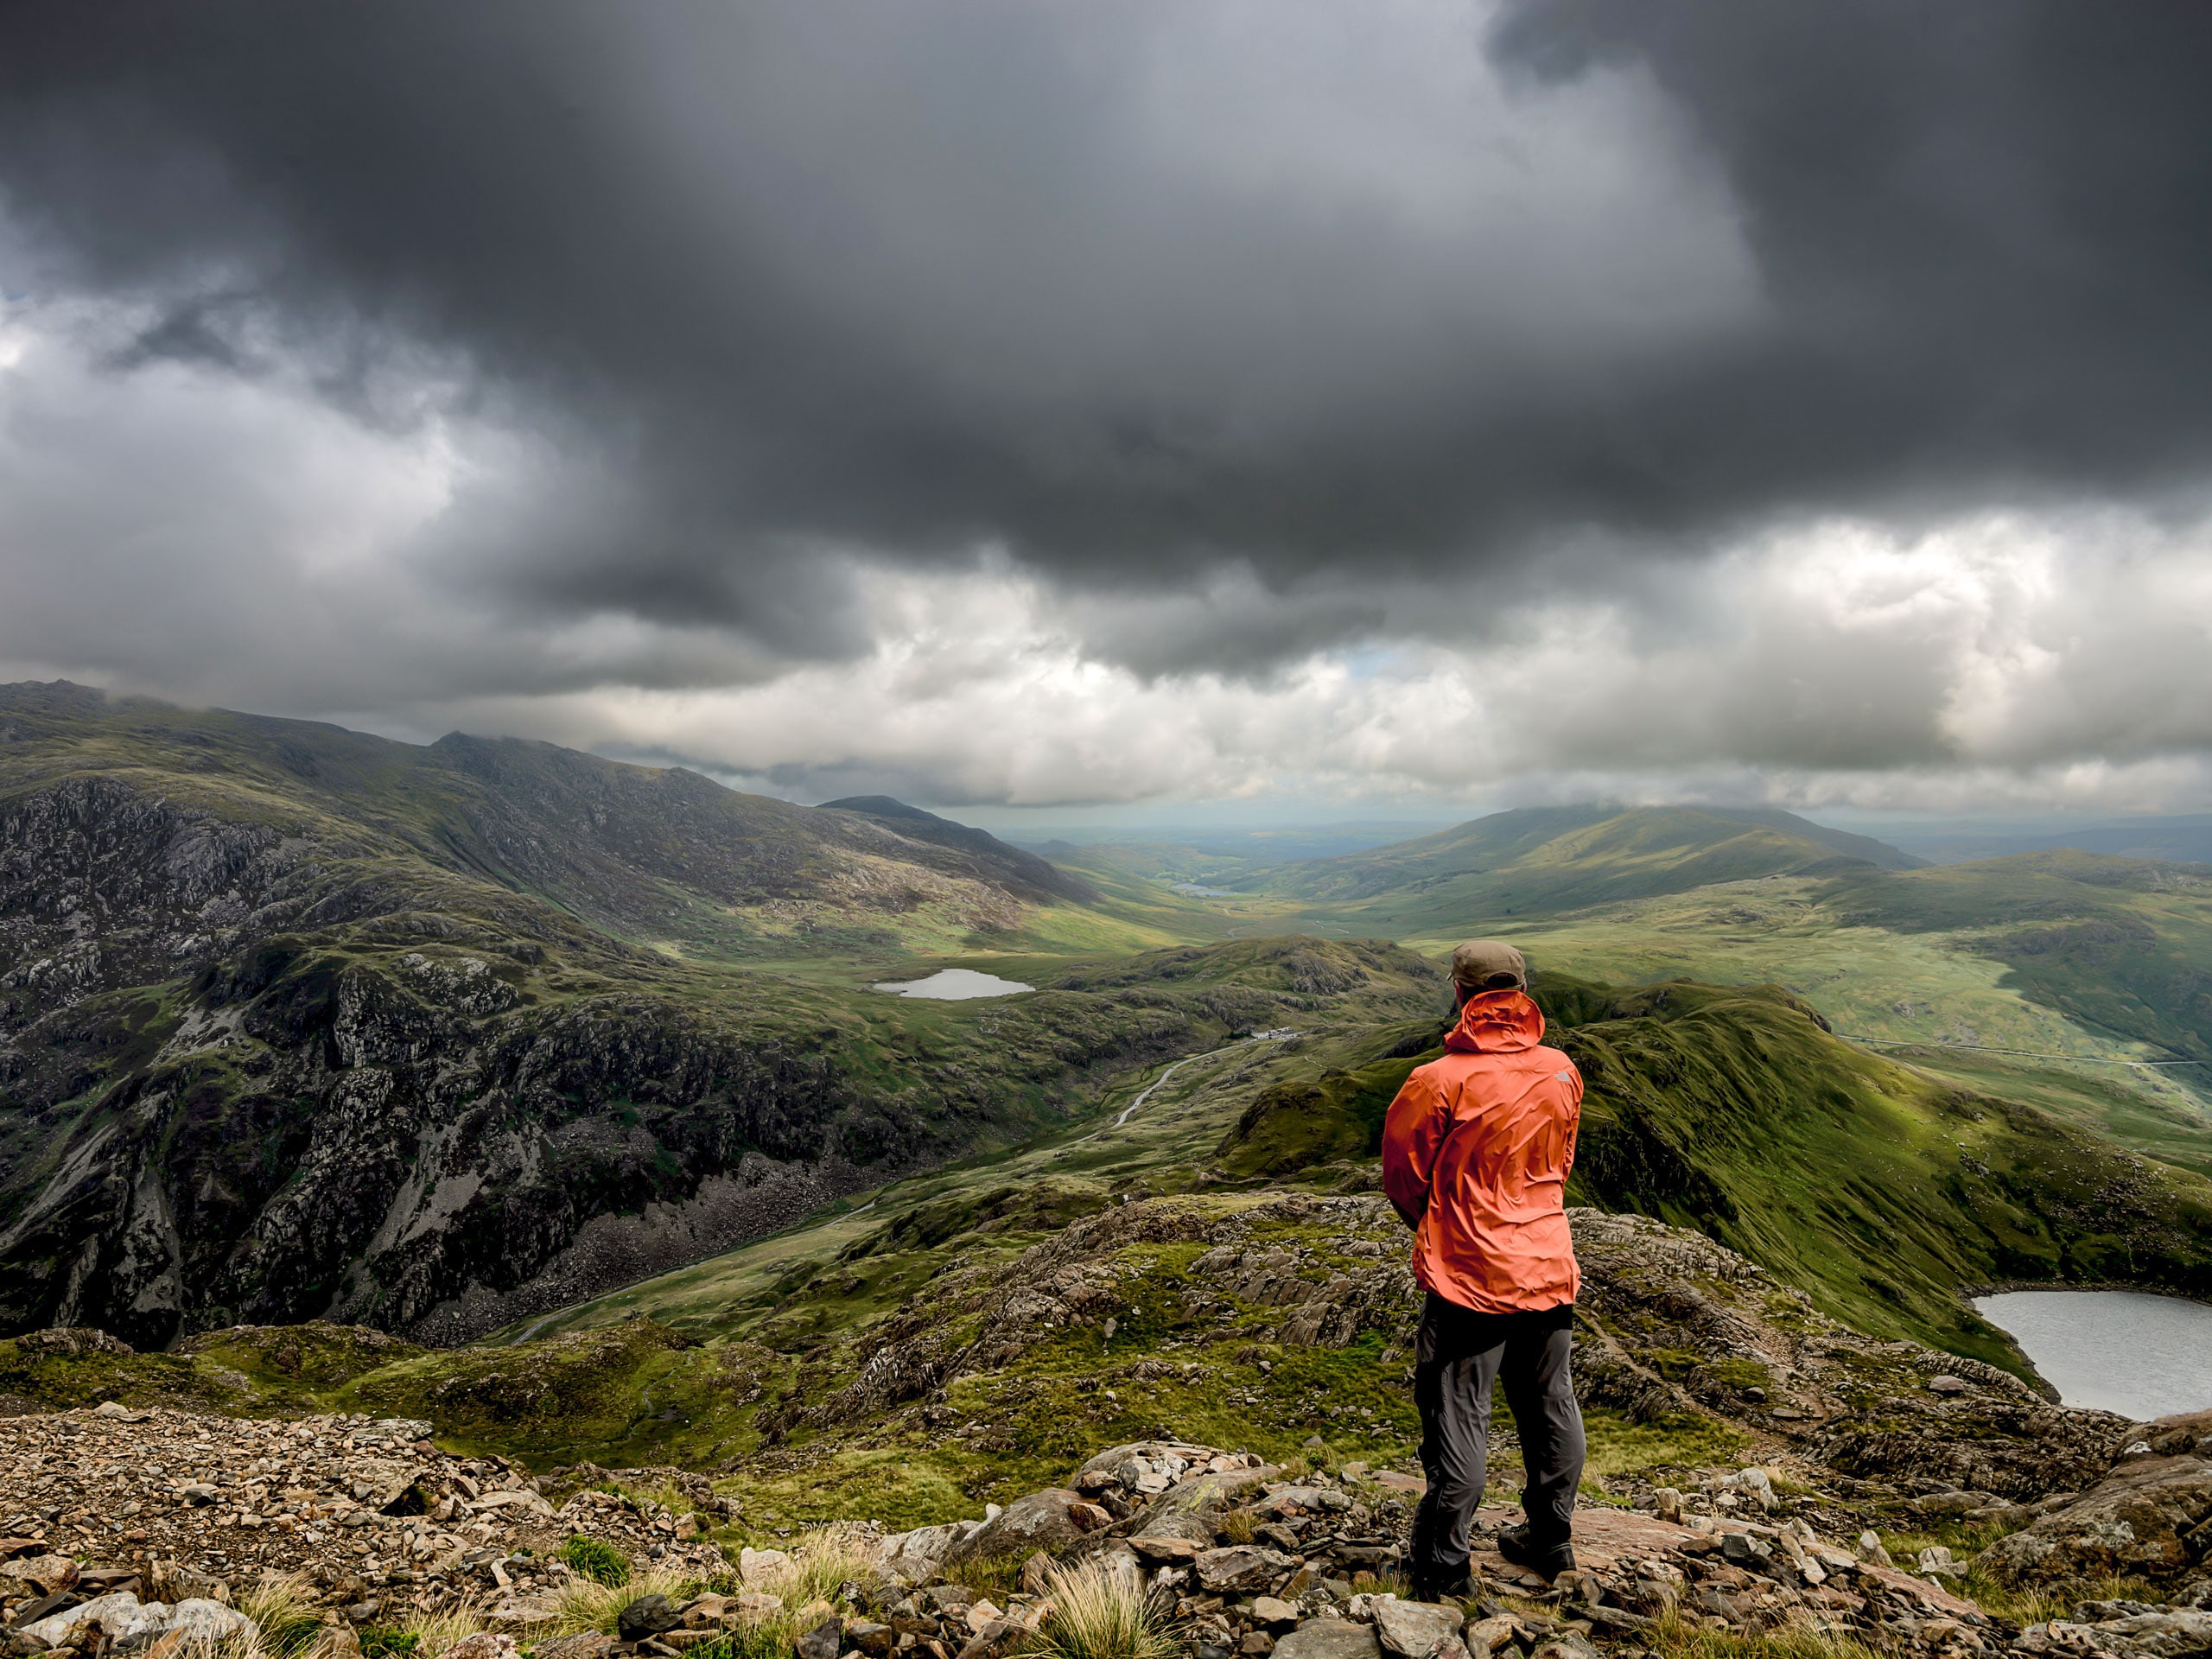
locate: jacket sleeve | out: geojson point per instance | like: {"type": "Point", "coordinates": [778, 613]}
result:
{"type": "Point", "coordinates": [1412, 1130]}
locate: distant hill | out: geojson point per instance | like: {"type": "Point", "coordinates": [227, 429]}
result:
{"type": "Point", "coordinates": [2183, 839]}
{"type": "Point", "coordinates": [992, 859]}
{"type": "Point", "coordinates": [1555, 858]}
{"type": "Point", "coordinates": [634, 850]}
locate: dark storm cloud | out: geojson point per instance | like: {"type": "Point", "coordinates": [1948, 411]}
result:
{"type": "Point", "coordinates": [1149, 294]}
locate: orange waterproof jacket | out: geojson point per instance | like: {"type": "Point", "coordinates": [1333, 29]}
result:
{"type": "Point", "coordinates": [1475, 1152]}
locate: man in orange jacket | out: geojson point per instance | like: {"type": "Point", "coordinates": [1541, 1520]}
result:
{"type": "Point", "coordinates": [1475, 1152]}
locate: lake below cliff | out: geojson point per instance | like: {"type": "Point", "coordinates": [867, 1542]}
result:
{"type": "Point", "coordinates": [2121, 1350]}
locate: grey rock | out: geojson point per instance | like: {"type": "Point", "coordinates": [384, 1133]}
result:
{"type": "Point", "coordinates": [820, 1642]}
{"type": "Point", "coordinates": [113, 1613]}
{"type": "Point", "coordinates": [2142, 1522]}
{"type": "Point", "coordinates": [1241, 1567]}
{"type": "Point", "coordinates": [919, 1554]}
{"type": "Point", "coordinates": [1412, 1630]}
{"type": "Point", "coordinates": [1329, 1638]}
{"type": "Point", "coordinates": [1043, 1520]}
{"type": "Point", "coordinates": [199, 1620]}
{"type": "Point", "coordinates": [648, 1616]}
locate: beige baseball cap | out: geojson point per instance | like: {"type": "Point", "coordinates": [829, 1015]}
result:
{"type": "Point", "coordinates": [1490, 965]}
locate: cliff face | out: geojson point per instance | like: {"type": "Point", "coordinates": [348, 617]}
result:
{"type": "Point", "coordinates": [249, 1074]}
{"type": "Point", "coordinates": [268, 1053]}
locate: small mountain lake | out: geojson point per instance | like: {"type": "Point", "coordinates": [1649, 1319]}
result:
{"type": "Point", "coordinates": [956, 985]}
{"type": "Point", "coordinates": [2121, 1350]}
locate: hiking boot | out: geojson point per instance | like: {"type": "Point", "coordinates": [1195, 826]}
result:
{"type": "Point", "coordinates": [1518, 1544]}
{"type": "Point", "coordinates": [1459, 1589]}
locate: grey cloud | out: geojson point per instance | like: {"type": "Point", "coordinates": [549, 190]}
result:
{"type": "Point", "coordinates": [1134, 292]}
{"type": "Point", "coordinates": [1144, 295]}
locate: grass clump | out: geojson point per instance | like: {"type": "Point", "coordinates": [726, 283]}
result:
{"type": "Point", "coordinates": [1673, 1636]}
{"type": "Point", "coordinates": [1101, 1612]}
{"type": "Point", "coordinates": [279, 1608]}
{"type": "Point", "coordinates": [597, 1560]}
{"type": "Point", "coordinates": [434, 1632]}
{"type": "Point", "coordinates": [1239, 1527]}
{"type": "Point", "coordinates": [587, 1604]}
{"type": "Point", "coordinates": [770, 1638]}
{"type": "Point", "coordinates": [823, 1560]}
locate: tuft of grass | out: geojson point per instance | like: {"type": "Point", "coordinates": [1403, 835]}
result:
{"type": "Point", "coordinates": [434, 1632]}
{"type": "Point", "coordinates": [587, 1604]}
{"type": "Point", "coordinates": [596, 1559]}
{"type": "Point", "coordinates": [822, 1560]}
{"type": "Point", "coordinates": [280, 1609]}
{"type": "Point", "coordinates": [771, 1638]}
{"type": "Point", "coordinates": [1100, 1611]}
{"type": "Point", "coordinates": [1239, 1527]}
{"type": "Point", "coordinates": [1673, 1636]}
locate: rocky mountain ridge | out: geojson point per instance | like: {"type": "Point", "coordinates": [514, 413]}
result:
{"type": "Point", "coordinates": [287, 1030]}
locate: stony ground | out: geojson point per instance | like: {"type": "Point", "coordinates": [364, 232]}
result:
{"type": "Point", "coordinates": [1875, 1493]}
{"type": "Point", "coordinates": [381, 1528]}
{"type": "Point", "coordinates": [370, 1514]}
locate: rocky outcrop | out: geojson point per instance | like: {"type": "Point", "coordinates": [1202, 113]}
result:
{"type": "Point", "coordinates": [2150, 1519]}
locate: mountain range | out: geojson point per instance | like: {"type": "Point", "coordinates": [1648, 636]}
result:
{"type": "Point", "coordinates": [301, 1023]}
{"type": "Point", "coordinates": [295, 1021]}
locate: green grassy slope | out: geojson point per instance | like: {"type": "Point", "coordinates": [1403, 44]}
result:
{"type": "Point", "coordinates": [1958, 961]}
{"type": "Point", "coordinates": [1880, 1191]}
{"type": "Point", "coordinates": [1876, 1188]}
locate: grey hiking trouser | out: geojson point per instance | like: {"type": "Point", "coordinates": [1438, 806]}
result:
{"type": "Point", "coordinates": [1461, 1354]}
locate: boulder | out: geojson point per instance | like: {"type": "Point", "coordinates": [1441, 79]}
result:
{"type": "Point", "coordinates": [756, 1568]}
{"type": "Point", "coordinates": [200, 1623]}
{"type": "Point", "coordinates": [648, 1616]}
{"type": "Point", "coordinates": [1330, 1638]}
{"type": "Point", "coordinates": [917, 1555]}
{"type": "Point", "coordinates": [114, 1614]}
{"type": "Point", "coordinates": [2138, 1523]}
{"type": "Point", "coordinates": [1484, 1636]}
{"type": "Point", "coordinates": [1044, 1520]}
{"type": "Point", "coordinates": [1242, 1568]}
{"type": "Point", "coordinates": [1169, 1549]}
{"type": "Point", "coordinates": [47, 1574]}
{"type": "Point", "coordinates": [1412, 1630]}
{"type": "Point", "coordinates": [1194, 1509]}
{"type": "Point", "coordinates": [822, 1639]}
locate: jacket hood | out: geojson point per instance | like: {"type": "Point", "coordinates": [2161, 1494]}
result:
{"type": "Point", "coordinates": [1497, 1022]}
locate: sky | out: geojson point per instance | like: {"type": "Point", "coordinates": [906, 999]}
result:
{"type": "Point", "coordinates": [1262, 405]}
